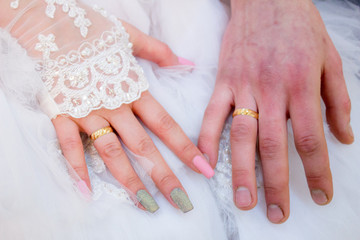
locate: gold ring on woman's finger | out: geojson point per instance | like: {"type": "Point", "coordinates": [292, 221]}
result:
{"type": "Point", "coordinates": [101, 132]}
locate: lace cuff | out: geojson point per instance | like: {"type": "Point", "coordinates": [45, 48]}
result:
{"type": "Point", "coordinates": [100, 72]}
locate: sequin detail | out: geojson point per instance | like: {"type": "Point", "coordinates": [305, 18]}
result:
{"type": "Point", "coordinates": [14, 4]}
{"type": "Point", "coordinates": [100, 74]}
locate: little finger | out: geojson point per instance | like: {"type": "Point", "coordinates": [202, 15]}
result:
{"type": "Point", "coordinates": [70, 142]}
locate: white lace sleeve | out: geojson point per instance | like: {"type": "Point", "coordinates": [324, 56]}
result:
{"type": "Point", "coordinates": [84, 56]}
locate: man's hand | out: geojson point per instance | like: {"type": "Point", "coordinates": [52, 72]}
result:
{"type": "Point", "coordinates": [278, 59]}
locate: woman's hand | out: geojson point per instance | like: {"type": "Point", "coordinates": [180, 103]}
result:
{"type": "Point", "coordinates": [39, 27]}
{"type": "Point", "coordinates": [125, 123]}
{"type": "Point", "coordinates": [278, 59]}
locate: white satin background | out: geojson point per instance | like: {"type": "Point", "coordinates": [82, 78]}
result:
{"type": "Point", "coordinates": [37, 200]}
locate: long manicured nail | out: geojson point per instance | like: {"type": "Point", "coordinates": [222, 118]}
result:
{"type": "Point", "coordinates": [350, 131]}
{"type": "Point", "coordinates": [319, 196]}
{"type": "Point", "coordinates": [181, 200]}
{"type": "Point", "coordinates": [147, 201]}
{"type": "Point", "coordinates": [243, 197]}
{"type": "Point", "coordinates": [184, 61]}
{"type": "Point", "coordinates": [83, 188]}
{"type": "Point", "coordinates": [203, 166]}
{"type": "Point", "coordinates": [274, 213]}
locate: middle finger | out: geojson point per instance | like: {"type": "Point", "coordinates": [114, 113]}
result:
{"type": "Point", "coordinates": [274, 159]}
{"type": "Point", "coordinates": [115, 158]}
{"type": "Point", "coordinates": [138, 141]}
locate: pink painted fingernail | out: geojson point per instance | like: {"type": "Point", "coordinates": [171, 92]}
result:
{"type": "Point", "coordinates": [274, 213]}
{"type": "Point", "coordinates": [203, 166]}
{"type": "Point", "coordinates": [184, 61]}
{"type": "Point", "coordinates": [81, 185]}
{"type": "Point", "coordinates": [243, 197]}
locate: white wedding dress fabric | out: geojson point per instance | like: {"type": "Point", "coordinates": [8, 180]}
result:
{"type": "Point", "coordinates": [38, 194]}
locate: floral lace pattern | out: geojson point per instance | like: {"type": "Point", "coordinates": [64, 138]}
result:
{"type": "Point", "coordinates": [101, 73]}
{"type": "Point", "coordinates": [73, 10]}
{"type": "Point", "coordinates": [68, 6]}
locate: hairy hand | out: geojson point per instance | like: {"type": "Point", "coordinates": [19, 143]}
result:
{"type": "Point", "coordinates": [278, 59]}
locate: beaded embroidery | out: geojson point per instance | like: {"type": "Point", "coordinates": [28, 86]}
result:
{"type": "Point", "coordinates": [101, 73]}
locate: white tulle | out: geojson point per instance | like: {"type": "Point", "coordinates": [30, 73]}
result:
{"type": "Point", "coordinates": [38, 199]}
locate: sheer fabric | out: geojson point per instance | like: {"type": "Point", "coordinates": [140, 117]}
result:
{"type": "Point", "coordinates": [38, 200]}
{"type": "Point", "coordinates": [84, 55]}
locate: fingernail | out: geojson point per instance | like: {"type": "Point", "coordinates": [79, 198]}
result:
{"type": "Point", "coordinates": [83, 188]}
{"type": "Point", "coordinates": [184, 61]}
{"type": "Point", "coordinates": [203, 166]}
{"type": "Point", "coordinates": [319, 197]}
{"type": "Point", "coordinates": [350, 131]}
{"type": "Point", "coordinates": [243, 197]}
{"type": "Point", "coordinates": [147, 201]}
{"type": "Point", "coordinates": [275, 214]}
{"type": "Point", "coordinates": [181, 200]}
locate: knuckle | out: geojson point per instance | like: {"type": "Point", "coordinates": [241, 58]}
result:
{"type": "Point", "coordinates": [112, 151]}
{"type": "Point", "coordinates": [166, 123]}
{"type": "Point", "coordinates": [70, 143]}
{"type": "Point", "coordinates": [204, 140]}
{"type": "Point", "coordinates": [267, 75]}
{"type": "Point", "coordinates": [269, 147]}
{"type": "Point", "coordinates": [316, 179]}
{"type": "Point", "coordinates": [275, 189]}
{"type": "Point", "coordinates": [241, 173]}
{"type": "Point", "coordinates": [346, 105]}
{"type": "Point", "coordinates": [299, 70]}
{"type": "Point", "coordinates": [308, 144]}
{"type": "Point", "coordinates": [165, 50]}
{"type": "Point", "coordinates": [230, 74]}
{"type": "Point", "coordinates": [212, 109]}
{"type": "Point", "coordinates": [240, 132]}
{"type": "Point", "coordinates": [167, 180]}
{"type": "Point", "coordinates": [337, 61]}
{"type": "Point", "coordinates": [131, 181]}
{"type": "Point", "coordinates": [146, 146]}
{"type": "Point", "coordinates": [299, 79]}
{"type": "Point", "coordinates": [188, 147]}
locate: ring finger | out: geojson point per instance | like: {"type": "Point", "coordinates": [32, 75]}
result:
{"type": "Point", "coordinates": [115, 158]}
{"type": "Point", "coordinates": [139, 142]}
{"type": "Point", "coordinates": [243, 143]}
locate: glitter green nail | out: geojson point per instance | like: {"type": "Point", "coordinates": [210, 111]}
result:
{"type": "Point", "coordinates": [181, 200]}
{"type": "Point", "coordinates": [147, 201]}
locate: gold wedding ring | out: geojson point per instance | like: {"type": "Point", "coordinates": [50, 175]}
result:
{"type": "Point", "coordinates": [101, 132]}
{"type": "Point", "coordinates": [246, 112]}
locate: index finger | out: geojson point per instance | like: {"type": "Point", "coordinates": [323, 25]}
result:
{"type": "Point", "coordinates": [165, 127]}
